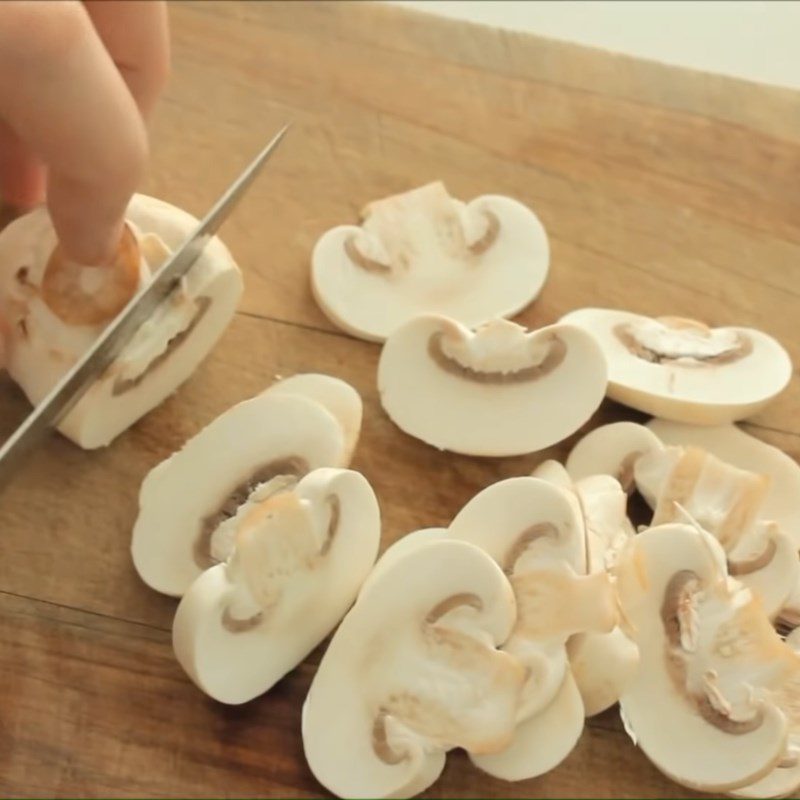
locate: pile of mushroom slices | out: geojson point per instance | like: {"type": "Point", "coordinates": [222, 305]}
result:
{"type": "Point", "coordinates": [474, 636]}
{"type": "Point", "coordinates": [56, 309]}
{"type": "Point", "coordinates": [702, 588]}
{"type": "Point", "coordinates": [257, 524]}
{"type": "Point", "coordinates": [434, 279]}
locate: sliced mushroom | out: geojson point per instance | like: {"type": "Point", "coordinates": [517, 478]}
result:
{"type": "Point", "coordinates": [57, 310]}
{"type": "Point", "coordinates": [784, 780]}
{"type": "Point", "coordinates": [299, 558]}
{"type": "Point", "coordinates": [612, 450]}
{"type": "Point", "coordinates": [424, 252]}
{"type": "Point", "coordinates": [337, 396]}
{"type": "Point", "coordinates": [495, 392]}
{"type": "Point", "coordinates": [781, 502]}
{"type": "Point", "coordinates": [703, 705]}
{"type": "Point", "coordinates": [731, 444]}
{"type": "Point", "coordinates": [602, 663]}
{"type": "Point", "coordinates": [683, 370]}
{"type": "Point", "coordinates": [542, 741]}
{"type": "Point", "coordinates": [690, 483]}
{"type": "Point", "coordinates": [603, 666]}
{"type": "Point", "coordinates": [187, 498]}
{"type": "Point", "coordinates": [412, 672]}
{"type": "Point", "coordinates": [534, 530]}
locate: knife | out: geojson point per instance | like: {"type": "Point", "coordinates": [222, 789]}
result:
{"type": "Point", "coordinates": [69, 390]}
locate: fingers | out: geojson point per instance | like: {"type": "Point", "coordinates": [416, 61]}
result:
{"type": "Point", "coordinates": [61, 93]}
{"type": "Point", "coordinates": [136, 35]}
{"type": "Point", "coordinates": [21, 173]}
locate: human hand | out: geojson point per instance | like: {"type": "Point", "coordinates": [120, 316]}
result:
{"type": "Point", "coordinates": [77, 82]}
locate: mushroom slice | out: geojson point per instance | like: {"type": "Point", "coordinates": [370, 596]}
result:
{"type": "Point", "coordinates": [534, 531]}
{"type": "Point", "coordinates": [702, 705]}
{"type": "Point", "coordinates": [726, 501]}
{"type": "Point", "coordinates": [424, 252]}
{"type": "Point", "coordinates": [333, 394]}
{"type": "Point", "coordinates": [496, 392]}
{"type": "Point", "coordinates": [57, 310]}
{"type": "Point", "coordinates": [542, 741]}
{"type": "Point", "coordinates": [412, 672]}
{"type": "Point", "coordinates": [602, 663]}
{"type": "Point", "coordinates": [731, 444]}
{"type": "Point", "coordinates": [186, 500]}
{"type": "Point", "coordinates": [603, 666]}
{"type": "Point", "coordinates": [612, 450]}
{"type": "Point", "coordinates": [299, 558]}
{"type": "Point", "coordinates": [683, 370]}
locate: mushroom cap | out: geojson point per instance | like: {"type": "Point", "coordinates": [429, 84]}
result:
{"type": "Point", "coordinates": [541, 742]}
{"type": "Point", "coordinates": [686, 737]}
{"type": "Point", "coordinates": [737, 385]}
{"type": "Point", "coordinates": [268, 435]}
{"type": "Point", "coordinates": [603, 665]}
{"type": "Point", "coordinates": [499, 391]}
{"type": "Point", "coordinates": [423, 252]}
{"type": "Point", "coordinates": [412, 672]}
{"type": "Point", "coordinates": [163, 354]}
{"type": "Point", "coordinates": [611, 450]}
{"type": "Point", "coordinates": [333, 394]}
{"type": "Point", "coordinates": [308, 549]}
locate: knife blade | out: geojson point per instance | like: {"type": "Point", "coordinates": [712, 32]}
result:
{"type": "Point", "coordinates": [72, 386]}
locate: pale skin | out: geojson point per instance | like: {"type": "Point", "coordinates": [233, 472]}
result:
{"type": "Point", "coordinates": [78, 81]}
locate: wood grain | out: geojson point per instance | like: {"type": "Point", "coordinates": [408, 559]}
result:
{"type": "Point", "coordinates": [663, 191]}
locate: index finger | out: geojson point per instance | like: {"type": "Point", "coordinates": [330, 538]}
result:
{"type": "Point", "coordinates": [62, 94]}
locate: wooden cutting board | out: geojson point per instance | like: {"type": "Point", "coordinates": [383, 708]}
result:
{"type": "Point", "coordinates": [663, 191]}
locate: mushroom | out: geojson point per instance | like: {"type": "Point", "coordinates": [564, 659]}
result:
{"type": "Point", "coordinates": [709, 704]}
{"type": "Point", "coordinates": [496, 392]}
{"type": "Point", "coordinates": [781, 502]}
{"type": "Point", "coordinates": [425, 252]}
{"type": "Point", "coordinates": [784, 780]}
{"type": "Point", "coordinates": [534, 531]}
{"type": "Point", "coordinates": [186, 502]}
{"type": "Point", "coordinates": [602, 663]}
{"type": "Point", "coordinates": [683, 370]}
{"type": "Point", "coordinates": [333, 394]}
{"type": "Point", "coordinates": [412, 672]}
{"type": "Point", "coordinates": [612, 450]}
{"type": "Point", "coordinates": [299, 557]}
{"type": "Point", "coordinates": [56, 309]}
{"type": "Point", "coordinates": [541, 742]}
{"type": "Point", "coordinates": [681, 483]}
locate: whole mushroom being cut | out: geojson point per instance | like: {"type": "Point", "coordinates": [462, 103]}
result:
{"type": "Point", "coordinates": [56, 309]}
{"type": "Point", "coordinates": [425, 252]}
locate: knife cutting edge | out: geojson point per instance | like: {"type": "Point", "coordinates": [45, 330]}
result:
{"type": "Point", "coordinates": [72, 386]}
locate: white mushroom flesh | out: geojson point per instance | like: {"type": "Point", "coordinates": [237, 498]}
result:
{"type": "Point", "coordinates": [424, 252]}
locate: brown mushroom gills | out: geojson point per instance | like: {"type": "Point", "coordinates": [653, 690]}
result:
{"type": "Point", "coordinates": [65, 295]}
{"type": "Point", "coordinates": [542, 530]}
{"type": "Point", "coordinates": [674, 619]}
{"type": "Point", "coordinates": [626, 335]}
{"type": "Point", "coordinates": [555, 355]}
{"type": "Point", "coordinates": [291, 466]}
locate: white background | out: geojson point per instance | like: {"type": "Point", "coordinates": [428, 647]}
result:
{"type": "Point", "coordinates": [755, 39]}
